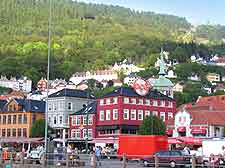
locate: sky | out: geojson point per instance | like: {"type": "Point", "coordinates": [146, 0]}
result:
{"type": "Point", "coordinates": [195, 11]}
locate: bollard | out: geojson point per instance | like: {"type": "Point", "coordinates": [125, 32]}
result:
{"type": "Point", "coordinates": [67, 160]}
{"type": "Point", "coordinates": [124, 161]}
{"type": "Point", "coordinates": [156, 162]}
{"type": "Point", "coordinates": [193, 163]}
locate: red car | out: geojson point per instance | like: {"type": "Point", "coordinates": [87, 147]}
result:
{"type": "Point", "coordinates": [176, 158]}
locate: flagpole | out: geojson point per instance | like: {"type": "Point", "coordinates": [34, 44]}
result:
{"type": "Point", "coordinates": [49, 53]}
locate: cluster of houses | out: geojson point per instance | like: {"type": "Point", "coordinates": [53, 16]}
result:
{"type": "Point", "coordinates": [76, 115]}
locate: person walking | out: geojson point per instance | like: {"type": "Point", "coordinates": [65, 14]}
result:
{"type": "Point", "coordinates": [98, 152]}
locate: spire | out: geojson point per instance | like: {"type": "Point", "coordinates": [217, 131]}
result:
{"type": "Point", "coordinates": [162, 65]}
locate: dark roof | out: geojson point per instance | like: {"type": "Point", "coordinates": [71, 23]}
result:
{"type": "Point", "coordinates": [130, 92]}
{"type": "Point", "coordinates": [28, 105]}
{"type": "Point", "coordinates": [2, 104]}
{"type": "Point", "coordinates": [71, 93]}
{"type": "Point", "coordinates": [90, 109]}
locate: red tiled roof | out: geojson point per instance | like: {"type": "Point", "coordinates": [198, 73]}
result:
{"type": "Point", "coordinates": [216, 102]}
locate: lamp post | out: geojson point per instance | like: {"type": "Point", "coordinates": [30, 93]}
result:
{"type": "Point", "coordinates": [48, 69]}
{"type": "Point", "coordinates": [87, 117]}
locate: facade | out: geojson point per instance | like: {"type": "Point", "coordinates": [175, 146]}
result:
{"type": "Point", "coordinates": [179, 87]}
{"type": "Point", "coordinates": [213, 77]}
{"type": "Point", "coordinates": [18, 115]}
{"type": "Point", "coordinates": [129, 79]}
{"type": "Point", "coordinates": [63, 103]}
{"type": "Point", "coordinates": [119, 112]}
{"type": "Point", "coordinates": [22, 84]}
{"type": "Point", "coordinates": [197, 123]}
{"type": "Point", "coordinates": [162, 84]}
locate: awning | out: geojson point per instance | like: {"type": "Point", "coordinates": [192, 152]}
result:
{"type": "Point", "coordinates": [181, 129]}
{"type": "Point", "coordinates": [190, 140]}
{"type": "Point", "coordinates": [105, 140]}
{"type": "Point", "coordinates": [169, 132]}
{"type": "Point", "coordinates": [21, 140]}
{"type": "Point", "coordinates": [107, 127]}
{"type": "Point", "coordinates": [174, 141]}
{"type": "Point", "coordinates": [129, 127]}
{"type": "Point", "coordinates": [198, 131]}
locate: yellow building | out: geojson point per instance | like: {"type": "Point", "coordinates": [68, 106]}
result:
{"type": "Point", "coordinates": [18, 115]}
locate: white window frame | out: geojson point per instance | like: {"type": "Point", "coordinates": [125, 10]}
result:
{"type": "Point", "coordinates": [73, 120]}
{"type": "Point", "coordinates": [108, 115]}
{"type": "Point", "coordinates": [147, 102]}
{"type": "Point", "coordinates": [126, 100]}
{"type": "Point", "coordinates": [133, 112]}
{"type": "Point", "coordinates": [101, 115]}
{"type": "Point", "coordinates": [54, 106]}
{"type": "Point", "coordinates": [140, 101]}
{"type": "Point", "coordinates": [108, 101]}
{"type": "Point", "coordinates": [55, 121]}
{"type": "Point", "coordinates": [77, 120]}
{"type": "Point", "coordinates": [71, 106]}
{"type": "Point", "coordinates": [170, 115]}
{"type": "Point", "coordinates": [49, 106]}
{"type": "Point", "coordinates": [170, 104]}
{"type": "Point", "coordinates": [133, 101]}
{"type": "Point", "coordinates": [140, 112]}
{"type": "Point", "coordinates": [73, 133]}
{"type": "Point", "coordinates": [77, 131]}
{"type": "Point", "coordinates": [115, 114]}
{"type": "Point", "coordinates": [115, 100]}
{"type": "Point", "coordinates": [101, 102]}
{"type": "Point", "coordinates": [126, 111]}
{"type": "Point", "coordinates": [84, 120]}
{"type": "Point", "coordinates": [90, 120]}
{"type": "Point", "coordinates": [162, 116]}
{"type": "Point", "coordinates": [59, 117]}
{"type": "Point", "coordinates": [162, 103]}
{"type": "Point", "coordinates": [147, 113]}
{"type": "Point", "coordinates": [155, 113]}
{"type": "Point", "coordinates": [155, 103]}
{"type": "Point", "coordinates": [90, 134]}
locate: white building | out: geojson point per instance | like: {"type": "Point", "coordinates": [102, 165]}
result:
{"type": "Point", "coordinates": [129, 79]}
{"type": "Point", "coordinates": [22, 84]}
{"type": "Point", "coordinates": [171, 74]}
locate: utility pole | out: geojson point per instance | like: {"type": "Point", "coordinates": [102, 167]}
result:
{"type": "Point", "coordinates": [48, 69]}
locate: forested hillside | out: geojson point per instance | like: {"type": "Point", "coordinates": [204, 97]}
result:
{"type": "Point", "coordinates": [87, 37]}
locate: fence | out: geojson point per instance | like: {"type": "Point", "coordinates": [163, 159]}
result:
{"type": "Point", "coordinates": [110, 161]}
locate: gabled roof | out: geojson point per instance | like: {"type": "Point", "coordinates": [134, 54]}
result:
{"type": "Point", "coordinates": [71, 93]}
{"type": "Point", "coordinates": [90, 109]}
{"type": "Point", "coordinates": [28, 105]}
{"type": "Point", "coordinates": [130, 92]}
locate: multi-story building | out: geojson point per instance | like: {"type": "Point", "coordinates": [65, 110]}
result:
{"type": "Point", "coordinates": [213, 77]}
{"type": "Point", "coordinates": [22, 84]}
{"type": "Point", "coordinates": [120, 112]}
{"type": "Point", "coordinates": [63, 103]}
{"type": "Point", "coordinates": [18, 115]}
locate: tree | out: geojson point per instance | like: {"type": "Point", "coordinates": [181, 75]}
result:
{"type": "Point", "coordinates": [152, 125]}
{"type": "Point", "coordinates": [38, 129]}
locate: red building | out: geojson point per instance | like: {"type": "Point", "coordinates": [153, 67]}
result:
{"type": "Point", "coordinates": [120, 112]}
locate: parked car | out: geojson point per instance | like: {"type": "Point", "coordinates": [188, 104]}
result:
{"type": "Point", "coordinates": [176, 158]}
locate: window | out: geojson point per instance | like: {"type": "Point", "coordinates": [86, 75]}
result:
{"type": "Point", "coordinates": [147, 102]}
{"type": "Point", "coordinates": [162, 116]}
{"type": "Point", "coordinates": [4, 119]}
{"type": "Point", "coordinates": [115, 100]}
{"type": "Point", "coordinates": [85, 120]}
{"type": "Point", "coordinates": [89, 133]}
{"type": "Point", "coordinates": [14, 119]}
{"type": "Point", "coordinates": [3, 133]}
{"type": "Point", "coordinates": [133, 114]}
{"type": "Point", "coordinates": [140, 101]}
{"type": "Point", "coordinates": [54, 106]}
{"type": "Point", "coordinates": [162, 103]}
{"type": "Point", "coordinates": [20, 119]}
{"type": "Point", "coordinates": [170, 115]}
{"type": "Point", "coordinates": [155, 113]}
{"type": "Point", "coordinates": [73, 118]}
{"type": "Point", "coordinates": [60, 119]}
{"type": "Point", "coordinates": [90, 120]}
{"type": "Point", "coordinates": [24, 132]}
{"type": "Point", "coordinates": [33, 118]}
{"type": "Point", "coordinates": [155, 103]}
{"type": "Point", "coordinates": [9, 119]}
{"type": "Point", "coordinates": [14, 132]}
{"type": "Point", "coordinates": [147, 113]}
{"type": "Point", "coordinates": [25, 119]}
{"type": "Point", "coordinates": [50, 107]}
{"type": "Point", "coordinates": [115, 114]}
{"type": "Point", "coordinates": [49, 120]}
{"type": "Point", "coordinates": [77, 120]}
{"type": "Point", "coordinates": [85, 133]}
{"type": "Point", "coordinates": [101, 116]}
{"type": "Point", "coordinates": [101, 101]}
{"type": "Point", "coordinates": [126, 100]}
{"type": "Point", "coordinates": [19, 133]}
{"type": "Point", "coordinates": [55, 120]}
{"type": "Point", "coordinates": [133, 101]}
{"type": "Point", "coordinates": [8, 132]}
{"type": "Point", "coordinates": [108, 101]}
{"type": "Point", "coordinates": [75, 133]}
{"type": "Point", "coordinates": [170, 104]}
{"type": "Point", "coordinates": [126, 114]}
{"type": "Point", "coordinates": [108, 115]}
{"type": "Point", "coordinates": [69, 106]}
{"type": "Point", "coordinates": [140, 114]}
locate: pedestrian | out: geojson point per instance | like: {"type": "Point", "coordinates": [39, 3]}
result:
{"type": "Point", "coordinates": [98, 152]}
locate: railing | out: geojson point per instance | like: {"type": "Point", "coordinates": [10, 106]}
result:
{"type": "Point", "coordinates": [108, 161]}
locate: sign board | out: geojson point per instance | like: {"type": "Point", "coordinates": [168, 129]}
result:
{"type": "Point", "coordinates": [141, 87]}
